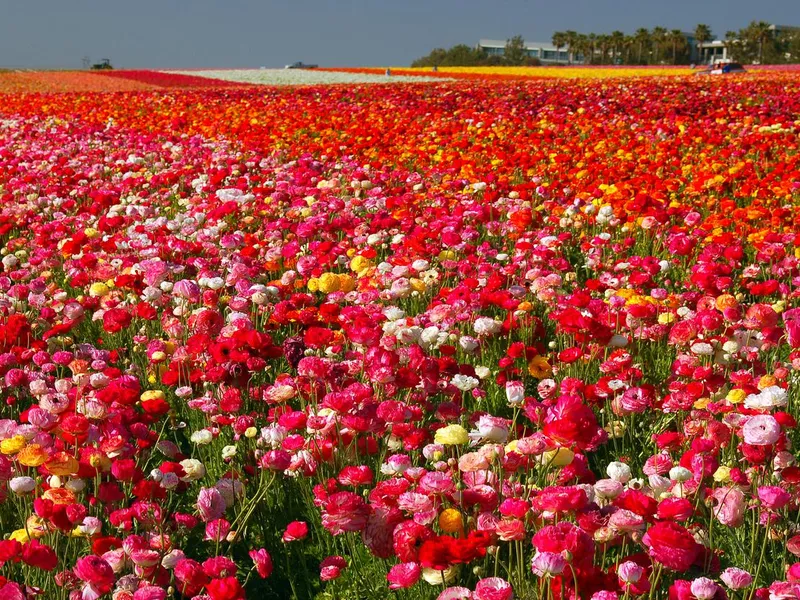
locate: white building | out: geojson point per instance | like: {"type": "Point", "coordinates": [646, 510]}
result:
{"type": "Point", "coordinates": [544, 51]}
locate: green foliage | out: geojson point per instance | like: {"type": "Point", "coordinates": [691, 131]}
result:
{"type": "Point", "coordinates": [515, 53]}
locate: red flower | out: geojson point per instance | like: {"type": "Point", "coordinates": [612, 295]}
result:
{"type": "Point", "coordinates": [296, 530]}
{"type": "Point", "coordinates": [36, 554]}
{"type": "Point", "coordinates": [116, 319]}
{"type": "Point", "coordinates": [672, 545]}
{"type": "Point", "coordinates": [227, 588]}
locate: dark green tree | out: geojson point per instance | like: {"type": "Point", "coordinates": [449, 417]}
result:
{"type": "Point", "coordinates": [515, 53]}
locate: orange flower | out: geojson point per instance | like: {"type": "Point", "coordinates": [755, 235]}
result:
{"type": "Point", "coordinates": [32, 455]}
{"type": "Point", "coordinates": [62, 463]}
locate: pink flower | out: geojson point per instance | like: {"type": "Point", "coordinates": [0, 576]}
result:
{"type": "Point", "coordinates": [548, 564]}
{"type": "Point", "coordinates": [404, 575]}
{"type": "Point", "coordinates": [262, 561]}
{"type": "Point", "coordinates": [210, 504]}
{"type": "Point", "coordinates": [344, 511]}
{"type": "Point", "coordinates": [736, 579]}
{"type": "Point", "coordinates": [773, 497]}
{"type": "Point", "coordinates": [493, 588]}
{"type": "Point", "coordinates": [761, 430]}
{"type": "Point", "coordinates": [331, 568]}
{"type": "Point", "coordinates": [96, 573]}
{"type": "Point", "coordinates": [730, 506]}
{"type": "Point", "coordinates": [455, 593]}
{"type": "Point", "coordinates": [704, 589]}
{"type": "Point", "coordinates": [629, 572]}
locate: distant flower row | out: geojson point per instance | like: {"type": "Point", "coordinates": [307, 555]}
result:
{"type": "Point", "coordinates": [299, 76]}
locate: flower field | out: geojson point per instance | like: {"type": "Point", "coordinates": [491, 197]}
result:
{"type": "Point", "coordinates": [482, 338]}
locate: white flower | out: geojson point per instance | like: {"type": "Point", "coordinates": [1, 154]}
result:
{"type": "Point", "coordinates": [467, 343]}
{"type": "Point", "coordinates": [482, 372]}
{"type": "Point", "coordinates": [228, 452]}
{"type": "Point", "coordinates": [299, 77]}
{"type": "Point", "coordinates": [202, 437]}
{"type": "Point", "coordinates": [464, 382]}
{"type": "Point", "coordinates": [770, 397]}
{"type": "Point", "coordinates": [193, 469]}
{"type": "Point", "coordinates": [619, 471]}
{"type": "Point", "coordinates": [680, 474]}
{"type": "Point", "coordinates": [485, 326]}
{"type": "Point", "coordinates": [172, 558]}
{"type": "Point", "coordinates": [22, 485]}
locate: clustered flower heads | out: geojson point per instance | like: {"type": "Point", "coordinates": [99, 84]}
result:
{"type": "Point", "coordinates": [461, 341]}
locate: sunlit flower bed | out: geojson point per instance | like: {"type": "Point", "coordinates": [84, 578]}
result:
{"type": "Point", "coordinates": [546, 72]}
{"type": "Point", "coordinates": [64, 81]}
{"type": "Point", "coordinates": [459, 340]}
{"type": "Point", "coordinates": [299, 76]}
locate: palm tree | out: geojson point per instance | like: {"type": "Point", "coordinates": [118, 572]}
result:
{"type": "Point", "coordinates": [559, 40]}
{"type": "Point", "coordinates": [642, 38]}
{"type": "Point", "coordinates": [570, 39]}
{"type": "Point", "coordinates": [702, 34]}
{"type": "Point", "coordinates": [617, 40]}
{"type": "Point", "coordinates": [760, 33]}
{"type": "Point", "coordinates": [659, 37]}
{"type": "Point", "coordinates": [583, 47]}
{"type": "Point", "coordinates": [603, 41]}
{"type": "Point", "coordinates": [627, 45]}
{"type": "Point", "coordinates": [677, 40]}
{"type": "Point", "coordinates": [592, 43]}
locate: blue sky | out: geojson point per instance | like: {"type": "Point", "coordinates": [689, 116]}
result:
{"type": "Point", "coordinates": [251, 33]}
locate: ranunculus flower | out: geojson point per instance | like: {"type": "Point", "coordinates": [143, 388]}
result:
{"type": "Point", "coordinates": [296, 530]}
{"type": "Point", "coordinates": [761, 430]}
{"type": "Point", "coordinates": [262, 562]}
{"type": "Point", "coordinates": [404, 575]}
{"type": "Point", "coordinates": [671, 545]}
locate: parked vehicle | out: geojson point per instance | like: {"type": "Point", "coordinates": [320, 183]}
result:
{"type": "Point", "coordinates": [300, 65]}
{"type": "Point", "coordinates": [722, 69]}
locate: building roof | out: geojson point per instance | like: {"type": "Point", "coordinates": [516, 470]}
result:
{"type": "Point", "coordinates": [502, 44]}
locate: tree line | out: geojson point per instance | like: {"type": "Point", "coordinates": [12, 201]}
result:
{"type": "Point", "coordinates": [757, 42]}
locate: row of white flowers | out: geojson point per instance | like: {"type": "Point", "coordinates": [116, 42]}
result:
{"type": "Point", "coordinates": [300, 76]}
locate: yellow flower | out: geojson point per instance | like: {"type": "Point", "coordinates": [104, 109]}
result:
{"type": "Point", "coordinates": [559, 457]}
{"type": "Point", "coordinates": [447, 255]}
{"type": "Point", "coordinates": [91, 232]}
{"type": "Point", "coordinates": [451, 435]}
{"type": "Point", "coordinates": [158, 356]}
{"type": "Point", "coordinates": [250, 432]}
{"type": "Point", "coordinates": [152, 395]}
{"type": "Point", "coordinates": [666, 318]}
{"type": "Point", "coordinates": [98, 289]}
{"type": "Point", "coordinates": [736, 396]}
{"type": "Point", "coordinates": [701, 403]}
{"type": "Point", "coordinates": [32, 455]}
{"type": "Point", "coordinates": [313, 284]}
{"type": "Point", "coordinates": [100, 461]}
{"type": "Point", "coordinates": [329, 283]}
{"type": "Point", "coordinates": [417, 284]}
{"type": "Point", "coordinates": [20, 535]}
{"type": "Point", "coordinates": [360, 264]}
{"type": "Point", "coordinates": [12, 445]}
{"type": "Point", "coordinates": [539, 367]}
{"type": "Point", "coordinates": [722, 474]}
{"type": "Point", "coordinates": [450, 521]}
